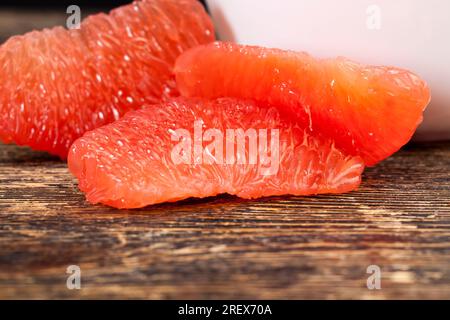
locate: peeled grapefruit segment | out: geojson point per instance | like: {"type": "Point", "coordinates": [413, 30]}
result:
{"type": "Point", "coordinates": [56, 84]}
{"type": "Point", "coordinates": [137, 160]}
{"type": "Point", "coordinates": [369, 111]}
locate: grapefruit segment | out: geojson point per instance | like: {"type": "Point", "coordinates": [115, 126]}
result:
{"type": "Point", "coordinates": [369, 111]}
{"type": "Point", "coordinates": [136, 161]}
{"type": "Point", "coordinates": [58, 83]}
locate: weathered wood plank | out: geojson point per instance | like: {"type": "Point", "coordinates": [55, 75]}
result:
{"type": "Point", "coordinates": [224, 247]}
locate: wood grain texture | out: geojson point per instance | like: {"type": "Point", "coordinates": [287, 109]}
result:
{"type": "Point", "coordinates": [224, 247]}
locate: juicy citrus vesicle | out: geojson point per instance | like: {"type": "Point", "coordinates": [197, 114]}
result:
{"type": "Point", "coordinates": [57, 84]}
{"type": "Point", "coordinates": [369, 111]}
{"type": "Point", "coordinates": [130, 164]}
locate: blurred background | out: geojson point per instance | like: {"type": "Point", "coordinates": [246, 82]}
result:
{"type": "Point", "coordinates": [17, 17]}
{"type": "Point", "coordinates": [20, 16]}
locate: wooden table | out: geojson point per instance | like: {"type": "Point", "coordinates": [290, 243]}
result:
{"type": "Point", "coordinates": [224, 247]}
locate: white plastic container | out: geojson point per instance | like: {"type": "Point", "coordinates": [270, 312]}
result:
{"type": "Point", "coordinates": [413, 34]}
